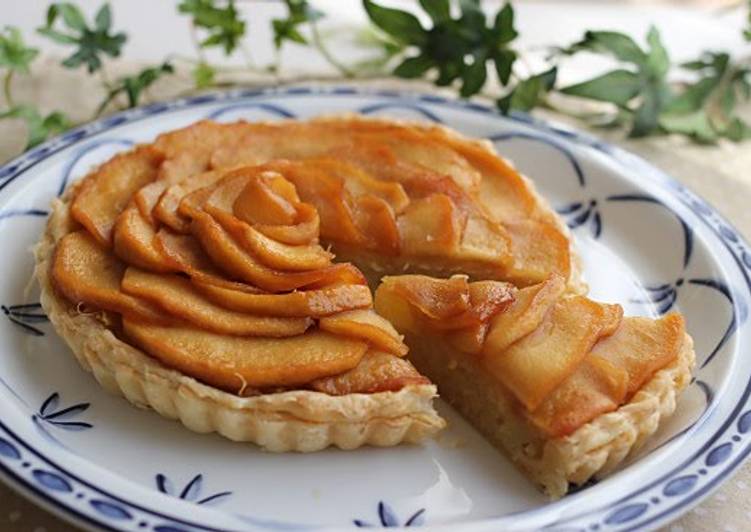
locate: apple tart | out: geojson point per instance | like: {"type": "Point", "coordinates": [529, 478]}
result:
{"type": "Point", "coordinates": [195, 275]}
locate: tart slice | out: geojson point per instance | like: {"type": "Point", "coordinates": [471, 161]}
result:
{"type": "Point", "coordinates": [564, 385]}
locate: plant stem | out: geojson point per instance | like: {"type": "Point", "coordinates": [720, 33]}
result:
{"type": "Point", "coordinates": [318, 43]}
{"type": "Point", "coordinates": [105, 78]}
{"type": "Point", "coordinates": [6, 88]}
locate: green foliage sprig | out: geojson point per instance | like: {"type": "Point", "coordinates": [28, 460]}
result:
{"type": "Point", "coordinates": [454, 43]}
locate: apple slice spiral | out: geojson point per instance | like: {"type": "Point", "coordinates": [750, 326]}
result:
{"type": "Point", "coordinates": [213, 270]}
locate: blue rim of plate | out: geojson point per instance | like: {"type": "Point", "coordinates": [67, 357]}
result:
{"type": "Point", "coordinates": [625, 512]}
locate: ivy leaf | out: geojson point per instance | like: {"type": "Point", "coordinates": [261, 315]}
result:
{"type": "Point", "coordinates": [457, 48]}
{"type": "Point", "coordinates": [504, 25]}
{"type": "Point", "coordinates": [39, 127]}
{"type": "Point", "coordinates": [528, 93]}
{"type": "Point", "coordinates": [14, 54]}
{"type": "Point", "coordinates": [223, 25]}
{"type": "Point", "coordinates": [92, 43]}
{"type": "Point", "coordinates": [203, 75]}
{"type": "Point", "coordinates": [617, 45]}
{"type": "Point", "coordinates": [438, 10]}
{"type": "Point", "coordinates": [618, 87]}
{"type": "Point", "coordinates": [401, 25]}
{"type": "Point", "coordinates": [474, 76]}
{"type": "Point", "coordinates": [133, 86]}
{"type": "Point", "coordinates": [287, 29]}
{"type": "Point", "coordinates": [695, 125]}
{"type": "Point", "coordinates": [413, 67]}
{"type": "Point", "coordinates": [640, 91]}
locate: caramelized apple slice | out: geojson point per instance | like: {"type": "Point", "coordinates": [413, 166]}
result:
{"type": "Point", "coordinates": [180, 298]}
{"type": "Point", "coordinates": [233, 363]}
{"type": "Point", "coordinates": [304, 231]}
{"type": "Point", "coordinates": [430, 226]}
{"type": "Point", "coordinates": [271, 253]}
{"type": "Point", "coordinates": [469, 339]}
{"type": "Point", "coordinates": [359, 183]}
{"type": "Point", "coordinates": [535, 365]}
{"type": "Point", "coordinates": [596, 387]}
{"type": "Point", "coordinates": [183, 253]}
{"type": "Point", "coordinates": [134, 241]}
{"type": "Point", "coordinates": [539, 249]}
{"type": "Point", "coordinates": [417, 148]}
{"type": "Point", "coordinates": [188, 150]}
{"type": "Point", "coordinates": [267, 199]}
{"type": "Point", "coordinates": [486, 241]}
{"type": "Point", "coordinates": [366, 325]}
{"type": "Point", "coordinates": [452, 304]}
{"type": "Point", "coordinates": [312, 303]}
{"type": "Point", "coordinates": [439, 299]}
{"type": "Point", "coordinates": [376, 372]}
{"type": "Point", "coordinates": [84, 272]}
{"type": "Point", "coordinates": [147, 197]}
{"type": "Point", "coordinates": [641, 346]}
{"type": "Point", "coordinates": [192, 204]}
{"type": "Point", "coordinates": [107, 191]}
{"type": "Point", "coordinates": [512, 196]}
{"type": "Point", "coordinates": [523, 316]}
{"type": "Point", "coordinates": [375, 218]}
{"type": "Point", "coordinates": [274, 254]}
{"type": "Point", "coordinates": [330, 198]}
{"type": "Point", "coordinates": [166, 209]}
{"type": "Point", "coordinates": [396, 309]}
{"type": "Point", "coordinates": [228, 255]}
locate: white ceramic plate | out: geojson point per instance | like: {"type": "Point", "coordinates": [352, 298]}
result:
{"type": "Point", "coordinates": [647, 243]}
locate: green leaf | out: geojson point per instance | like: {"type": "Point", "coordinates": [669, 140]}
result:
{"type": "Point", "coordinates": [474, 76]}
{"type": "Point", "coordinates": [72, 16]}
{"type": "Point", "coordinates": [133, 86]}
{"type": "Point", "coordinates": [39, 128]}
{"type": "Point", "coordinates": [223, 25]}
{"type": "Point", "coordinates": [618, 87]}
{"type": "Point", "coordinates": [472, 16]}
{"type": "Point", "coordinates": [693, 97]}
{"type": "Point", "coordinates": [56, 36]}
{"type": "Point", "coordinates": [503, 28]}
{"type": "Point", "coordinates": [646, 117]}
{"type": "Point", "coordinates": [413, 67]}
{"type": "Point", "coordinates": [658, 61]}
{"type": "Point", "coordinates": [528, 93]}
{"type": "Point", "coordinates": [103, 19]}
{"type": "Point", "coordinates": [438, 10]}
{"type": "Point", "coordinates": [203, 75]}
{"type": "Point", "coordinates": [504, 65]}
{"type": "Point", "coordinates": [401, 25]}
{"type": "Point", "coordinates": [619, 45]}
{"type": "Point", "coordinates": [695, 125]}
{"type": "Point", "coordinates": [91, 43]}
{"type": "Point", "coordinates": [14, 54]}
{"type": "Point", "coordinates": [299, 12]}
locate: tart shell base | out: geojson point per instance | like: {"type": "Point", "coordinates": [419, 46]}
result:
{"type": "Point", "coordinates": [299, 420]}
